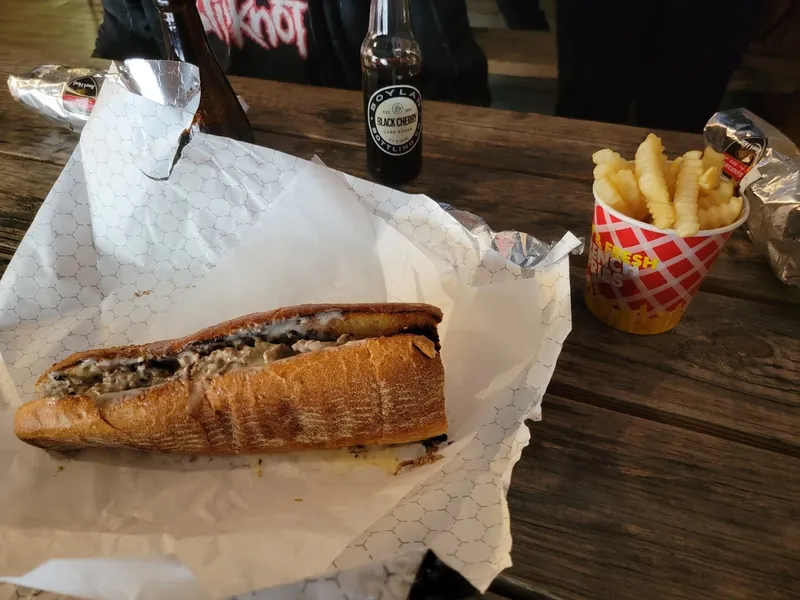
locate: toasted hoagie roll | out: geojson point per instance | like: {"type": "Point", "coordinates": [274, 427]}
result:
{"type": "Point", "coordinates": [312, 376]}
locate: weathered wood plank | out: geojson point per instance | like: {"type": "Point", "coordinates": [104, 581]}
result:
{"type": "Point", "coordinates": [27, 135]}
{"type": "Point", "coordinates": [544, 206]}
{"type": "Point", "coordinates": [527, 143]}
{"type": "Point", "coordinates": [730, 369]}
{"type": "Point", "coordinates": [23, 186]}
{"type": "Point", "coordinates": [631, 509]}
{"type": "Point", "coordinates": [48, 31]}
{"type": "Point", "coordinates": [505, 140]}
{"type": "Point", "coordinates": [493, 188]}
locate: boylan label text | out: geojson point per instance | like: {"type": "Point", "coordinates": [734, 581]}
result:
{"type": "Point", "coordinates": [394, 116]}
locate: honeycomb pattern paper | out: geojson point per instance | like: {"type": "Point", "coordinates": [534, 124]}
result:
{"type": "Point", "coordinates": [119, 255]}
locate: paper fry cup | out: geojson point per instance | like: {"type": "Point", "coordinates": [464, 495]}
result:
{"type": "Point", "coordinates": [641, 279]}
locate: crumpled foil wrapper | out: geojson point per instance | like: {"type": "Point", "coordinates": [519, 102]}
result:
{"type": "Point", "coordinates": [517, 247]}
{"type": "Point", "coordinates": [67, 95]}
{"type": "Point", "coordinates": [63, 95]}
{"type": "Point", "coordinates": [169, 83]}
{"type": "Point", "coordinates": [766, 164]}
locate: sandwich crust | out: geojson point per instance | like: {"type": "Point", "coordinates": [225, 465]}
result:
{"type": "Point", "coordinates": [385, 388]}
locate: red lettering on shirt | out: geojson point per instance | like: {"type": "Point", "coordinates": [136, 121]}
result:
{"type": "Point", "coordinates": [275, 23]}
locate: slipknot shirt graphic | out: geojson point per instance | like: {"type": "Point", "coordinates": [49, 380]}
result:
{"type": "Point", "coordinates": [266, 36]}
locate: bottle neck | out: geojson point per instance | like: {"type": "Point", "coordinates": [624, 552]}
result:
{"type": "Point", "coordinates": [184, 36]}
{"type": "Point", "coordinates": [185, 40]}
{"type": "Point", "coordinates": [389, 17]}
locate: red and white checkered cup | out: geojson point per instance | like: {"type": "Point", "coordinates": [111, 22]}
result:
{"type": "Point", "coordinates": [641, 279]}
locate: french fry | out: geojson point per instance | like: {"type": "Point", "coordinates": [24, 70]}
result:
{"type": "Point", "coordinates": [607, 156]}
{"type": "Point", "coordinates": [605, 190]}
{"type": "Point", "coordinates": [720, 195]}
{"type": "Point", "coordinates": [607, 163]}
{"type": "Point", "coordinates": [712, 158]}
{"type": "Point", "coordinates": [710, 179]}
{"type": "Point", "coordinates": [604, 171]}
{"type": "Point", "coordinates": [687, 189]}
{"type": "Point", "coordinates": [720, 215]}
{"type": "Point", "coordinates": [688, 193]}
{"type": "Point", "coordinates": [625, 182]}
{"type": "Point", "coordinates": [652, 182]}
{"type": "Point", "coordinates": [672, 175]}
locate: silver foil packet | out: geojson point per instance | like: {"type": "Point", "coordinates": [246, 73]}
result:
{"type": "Point", "coordinates": [63, 95]}
{"type": "Point", "coordinates": [766, 165]}
{"type": "Point", "coordinates": [67, 96]}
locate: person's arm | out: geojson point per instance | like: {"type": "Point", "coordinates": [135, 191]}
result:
{"type": "Point", "coordinates": [130, 29]}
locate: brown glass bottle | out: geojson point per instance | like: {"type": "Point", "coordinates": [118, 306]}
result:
{"type": "Point", "coordinates": [219, 112]}
{"type": "Point", "coordinates": [391, 63]}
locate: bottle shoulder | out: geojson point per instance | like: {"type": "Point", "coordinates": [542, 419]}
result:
{"type": "Point", "coordinates": [384, 50]}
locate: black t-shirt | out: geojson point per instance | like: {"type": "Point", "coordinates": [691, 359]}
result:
{"type": "Point", "coordinates": [261, 38]}
{"type": "Point", "coordinates": [307, 41]}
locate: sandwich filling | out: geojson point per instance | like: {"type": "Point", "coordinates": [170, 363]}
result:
{"type": "Point", "coordinates": [198, 360]}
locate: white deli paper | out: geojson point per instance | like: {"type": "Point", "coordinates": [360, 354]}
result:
{"type": "Point", "coordinates": [115, 256]}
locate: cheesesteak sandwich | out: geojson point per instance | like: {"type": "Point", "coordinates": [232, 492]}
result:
{"type": "Point", "coordinates": [312, 376]}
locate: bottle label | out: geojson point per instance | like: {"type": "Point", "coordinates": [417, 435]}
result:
{"type": "Point", "coordinates": [394, 117]}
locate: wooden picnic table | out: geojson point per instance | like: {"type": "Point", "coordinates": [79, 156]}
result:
{"type": "Point", "coordinates": [665, 466]}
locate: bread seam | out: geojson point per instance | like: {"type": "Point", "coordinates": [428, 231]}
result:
{"type": "Point", "coordinates": [425, 313]}
{"type": "Point", "coordinates": [190, 379]}
{"type": "Point", "coordinates": [321, 399]}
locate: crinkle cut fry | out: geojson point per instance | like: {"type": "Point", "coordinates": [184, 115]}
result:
{"type": "Point", "coordinates": [687, 190]}
{"type": "Point", "coordinates": [649, 164]}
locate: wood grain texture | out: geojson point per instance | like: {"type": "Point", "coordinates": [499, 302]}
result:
{"type": "Point", "coordinates": [631, 509]}
{"type": "Point", "coordinates": [546, 206]}
{"type": "Point", "coordinates": [505, 140]}
{"type": "Point", "coordinates": [48, 31]}
{"type": "Point", "coordinates": [731, 368]}
{"type": "Point", "coordinates": [506, 199]}
{"type": "Point", "coordinates": [518, 142]}
{"type": "Point", "coordinates": [26, 134]}
{"type": "Point", "coordinates": [23, 186]}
